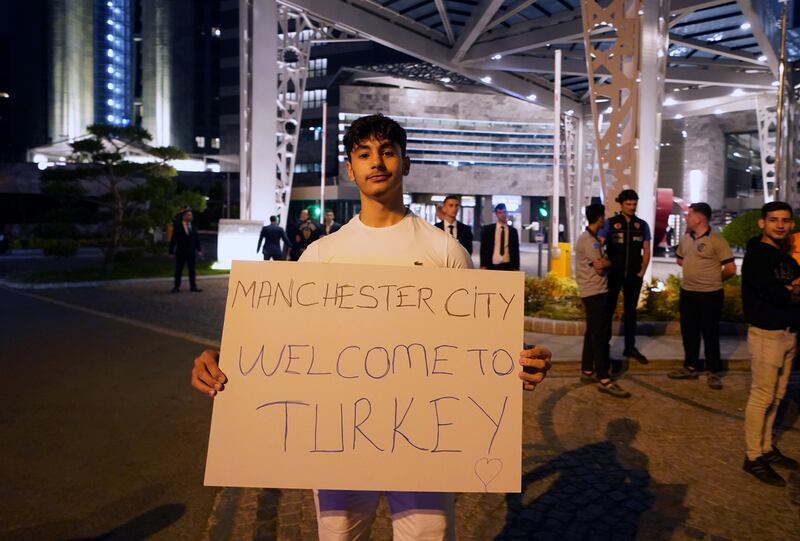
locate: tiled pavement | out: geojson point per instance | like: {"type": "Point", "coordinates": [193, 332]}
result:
{"type": "Point", "coordinates": [664, 464]}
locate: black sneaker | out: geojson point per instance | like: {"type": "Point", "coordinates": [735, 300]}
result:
{"type": "Point", "coordinates": [196, 290]}
{"type": "Point", "coordinates": [762, 471]}
{"type": "Point", "coordinates": [588, 378]}
{"type": "Point", "coordinates": [636, 354]}
{"type": "Point", "coordinates": [174, 290]}
{"type": "Point", "coordinates": [776, 458]}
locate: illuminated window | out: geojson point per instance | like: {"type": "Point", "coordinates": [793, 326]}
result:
{"type": "Point", "coordinates": [200, 141]}
{"type": "Point", "coordinates": [215, 142]}
{"type": "Point", "coordinates": [318, 67]}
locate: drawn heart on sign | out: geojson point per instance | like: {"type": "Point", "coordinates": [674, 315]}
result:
{"type": "Point", "coordinates": [487, 469]}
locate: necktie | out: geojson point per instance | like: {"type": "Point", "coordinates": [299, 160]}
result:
{"type": "Point", "coordinates": [186, 227]}
{"type": "Point", "coordinates": [451, 230]}
{"type": "Point", "coordinates": [502, 240]}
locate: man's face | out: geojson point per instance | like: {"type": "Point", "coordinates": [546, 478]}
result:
{"type": "Point", "coordinates": [450, 209]}
{"type": "Point", "coordinates": [188, 216]}
{"type": "Point", "coordinates": [303, 215]}
{"type": "Point", "coordinates": [502, 216]}
{"type": "Point", "coordinates": [378, 167]}
{"type": "Point", "coordinates": [694, 219]}
{"type": "Point", "coordinates": [329, 217]}
{"type": "Point", "coordinates": [777, 225]}
{"type": "Point", "coordinates": [628, 207]}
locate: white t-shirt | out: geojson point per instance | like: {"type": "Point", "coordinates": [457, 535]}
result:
{"type": "Point", "coordinates": [410, 242]}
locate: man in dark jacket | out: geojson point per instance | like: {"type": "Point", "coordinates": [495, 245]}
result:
{"type": "Point", "coordinates": [306, 232]}
{"type": "Point", "coordinates": [184, 245]}
{"type": "Point", "coordinates": [500, 243]}
{"type": "Point", "coordinates": [272, 235]}
{"type": "Point", "coordinates": [459, 231]}
{"type": "Point", "coordinates": [771, 301]}
{"type": "Point", "coordinates": [627, 243]}
{"type": "Point", "coordinates": [331, 225]}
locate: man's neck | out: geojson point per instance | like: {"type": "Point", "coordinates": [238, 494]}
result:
{"type": "Point", "coordinates": [381, 214]}
{"type": "Point", "coordinates": [449, 221]}
{"type": "Point", "coordinates": [593, 229]}
{"type": "Point", "coordinates": [700, 230]}
{"type": "Point", "coordinates": [627, 218]}
{"type": "Point", "coordinates": [766, 239]}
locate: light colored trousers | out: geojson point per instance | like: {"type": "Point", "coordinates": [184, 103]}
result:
{"type": "Point", "coordinates": [772, 353]}
{"type": "Point", "coordinates": [347, 515]}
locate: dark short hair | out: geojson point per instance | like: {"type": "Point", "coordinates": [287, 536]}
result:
{"type": "Point", "coordinates": [500, 206]}
{"type": "Point", "coordinates": [627, 195]}
{"type": "Point", "coordinates": [451, 196]}
{"type": "Point", "coordinates": [594, 212]}
{"type": "Point", "coordinates": [273, 219]}
{"type": "Point", "coordinates": [775, 206]}
{"type": "Point", "coordinates": [377, 126]}
{"type": "Point", "coordinates": [702, 208]}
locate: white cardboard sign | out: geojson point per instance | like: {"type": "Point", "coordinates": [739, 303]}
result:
{"type": "Point", "coordinates": [369, 378]}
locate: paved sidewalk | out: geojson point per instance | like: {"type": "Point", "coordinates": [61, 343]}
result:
{"type": "Point", "coordinates": [664, 464]}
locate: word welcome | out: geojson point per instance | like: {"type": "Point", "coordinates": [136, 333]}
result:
{"type": "Point", "coordinates": [374, 362]}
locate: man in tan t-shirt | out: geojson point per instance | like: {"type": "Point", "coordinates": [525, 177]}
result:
{"type": "Point", "coordinates": [707, 261]}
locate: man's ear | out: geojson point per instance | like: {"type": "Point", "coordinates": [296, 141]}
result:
{"type": "Point", "coordinates": [349, 168]}
{"type": "Point", "coordinates": [406, 165]}
{"type": "Point", "coordinates": [761, 223]}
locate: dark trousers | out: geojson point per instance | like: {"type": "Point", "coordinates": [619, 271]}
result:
{"type": "Point", "coordinates": [182, 259]}
{"type": "Point", "coordinates": [630, 286]}
{"type": "Point", "coordinates": [700, 315]}
{"type": "Point", "coordinates": [595, 340]}
{"type": "Point", "coordinates": [501, 266]}
{"type": "Point", "coordinates": [276, 256]}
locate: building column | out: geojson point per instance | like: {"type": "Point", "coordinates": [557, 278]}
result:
{"type": "Point", "coordinates": [626, 82]}
{"type": "Point", "coordinates": [258, 24]}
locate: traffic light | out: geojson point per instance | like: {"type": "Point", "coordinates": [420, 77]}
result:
{"type": "Point", "coordinates": [543, 210]}
{"type": "Point", "coordinates": [314, 211]}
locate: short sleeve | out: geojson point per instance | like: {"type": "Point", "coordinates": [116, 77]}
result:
{"type": "Point", "coordinates": [310, 254]}
{"type": "Point", "coordinates": [457, 256]}
{"type": "Point", "coordinates": [646, 229]}
{"type": "Point", "coordinates": [603, 233]}
{"type": "Point", "coordinates": [722, 249]}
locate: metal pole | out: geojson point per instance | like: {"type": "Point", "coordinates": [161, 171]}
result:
{"type": "Point", "coordinates": [780, 162]}
{"type": "Point", "coordinates": [555, 252]}
{"type": "Point", "coordinates": [322, 173]}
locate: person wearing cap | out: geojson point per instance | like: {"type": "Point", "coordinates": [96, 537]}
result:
{"type": "Point", "coordinates": [500, 243]}
{"type": "Point", "coordinates": [627, 243]}
{"type": "Point", "coordinates": [707, 261]}
{"type": "Point", "coordinates": [184, 245]}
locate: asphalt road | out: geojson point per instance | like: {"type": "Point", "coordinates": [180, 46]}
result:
{"type": "Point", "coordinates": [101, 436]}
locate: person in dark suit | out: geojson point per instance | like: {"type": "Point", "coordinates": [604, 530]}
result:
{"type": "Point", "coordinates": [500, 243]}
{"type": "Point", "coordinates": [330, 225]}
{"type": "Point", "coordinates": [459, 231]}
{"type": "Point", "coordinates": [272, 235]}
{"type": "Point", "coordinates": [185, 245]}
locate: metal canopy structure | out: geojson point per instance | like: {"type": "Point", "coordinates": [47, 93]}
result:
{"type": "Point", "coordinates": [719, 50]}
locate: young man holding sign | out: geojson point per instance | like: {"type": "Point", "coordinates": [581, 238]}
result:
{"type": "Point", "coordinates": [385, 233]}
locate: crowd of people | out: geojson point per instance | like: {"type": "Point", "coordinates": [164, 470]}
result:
{"type": "Point", "coordinates": [612, 257]}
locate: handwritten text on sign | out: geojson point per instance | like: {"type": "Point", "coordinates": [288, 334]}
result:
{"type": "Point", "coordinates": [369, 378]}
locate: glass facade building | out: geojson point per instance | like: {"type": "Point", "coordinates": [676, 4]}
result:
{"type": "Point", "coordinates": [113, 61]}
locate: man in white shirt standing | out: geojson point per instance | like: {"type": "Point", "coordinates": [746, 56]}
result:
{"type": "Point", "coordinates": [500, 243]}
{"type": "Point", "coordinates": [384, 233]}
{"type": "Point", "coordinates": [459, 231]}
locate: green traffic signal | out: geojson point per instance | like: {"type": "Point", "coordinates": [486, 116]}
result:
{"type": "Point", "coordinates": [315, 211]}
{"type": "Point", "coordinates": [543, 212]}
